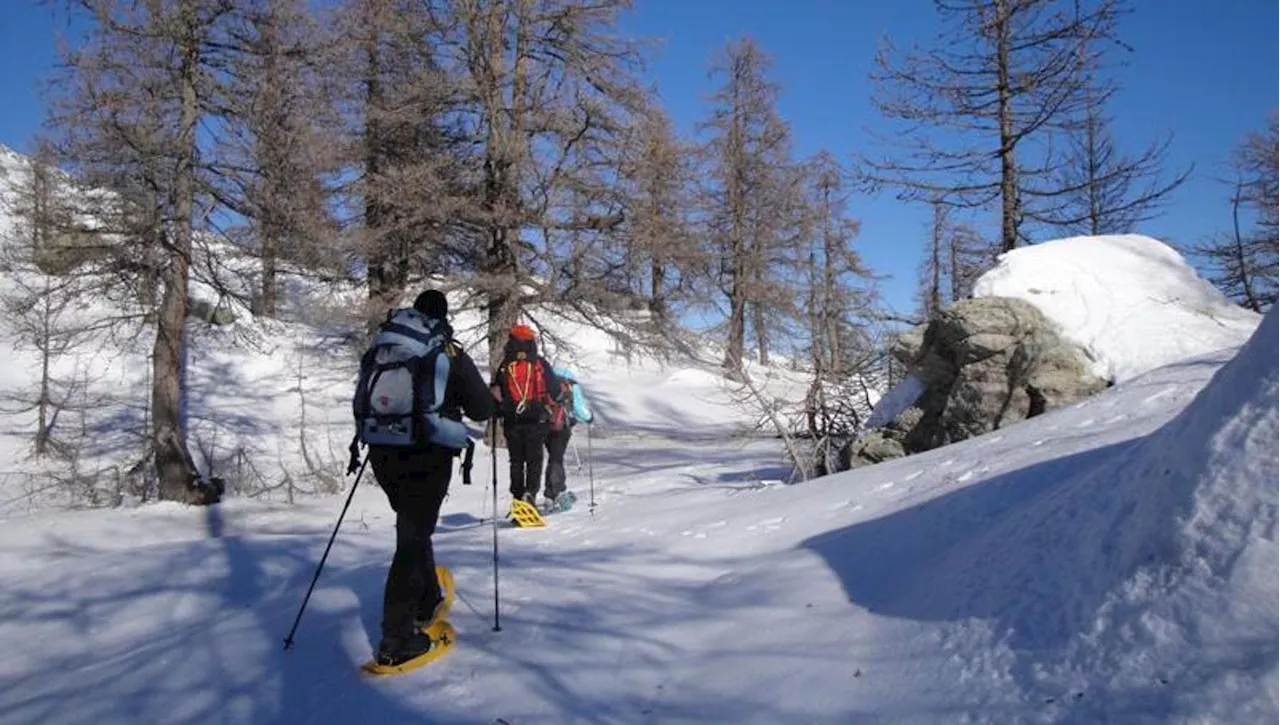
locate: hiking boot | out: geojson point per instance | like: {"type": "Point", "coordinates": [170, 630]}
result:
{"type": "Point", "coordinates": [392, 653]}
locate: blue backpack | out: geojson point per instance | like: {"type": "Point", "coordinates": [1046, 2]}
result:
{"type": "Point", "coordinates": [580, 411]}
{"type": "Point", "coordinates": [402, 383]}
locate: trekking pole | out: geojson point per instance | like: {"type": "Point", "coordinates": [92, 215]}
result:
{"type": "Point", "coordinates": [493, 459]}
{"type": "Point", "coordinates": [591, 472]}
{"type": "Point", "coordinates": [577, 455]}
{"type": "Point", "coordinates": [288, 641]}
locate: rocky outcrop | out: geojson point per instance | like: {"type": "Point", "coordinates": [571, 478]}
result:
{"type": "Point", "coordinates": [209, 312]}
{"type": "Point", "coordinates": [982, 364]}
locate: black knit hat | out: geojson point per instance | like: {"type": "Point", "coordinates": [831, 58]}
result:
{"type": "Point", "coordinates": [432, 303]}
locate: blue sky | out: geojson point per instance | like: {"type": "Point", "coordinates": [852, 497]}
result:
{"type": "Point", "coordinates": [1207, 71]}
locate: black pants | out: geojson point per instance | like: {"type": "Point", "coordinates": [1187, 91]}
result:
{"type": "Point", "coordinates": [416, 482]}
{"type": "Point", "coordinates": [524, 450]}
{"type": "Point", "coordinates": [557, 445]}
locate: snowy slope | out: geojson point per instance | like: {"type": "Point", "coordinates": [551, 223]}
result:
{"type": "Point", "coordinates": [1132, 302]}
{"type": "Point", "coordinates": [269, 400]}
{"type": "Point", "coordinates": [1113, 561]}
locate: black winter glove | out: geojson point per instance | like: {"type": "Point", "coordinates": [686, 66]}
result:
{"type": "Point", "coordinates": [354, 464]}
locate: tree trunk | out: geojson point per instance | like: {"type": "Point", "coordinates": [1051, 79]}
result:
{"type": "Point", "coordinates": [935, 263]}
{"type": "Point", "coordinates": [1242, 257]}
{"type": "Point", "coordinates": [737, 324]}
{"type": "Point", "coordinates": [831, 312]}
{"type": "Point", "coordinates": [1008, 163]}
{"type": "Point", "coordinates": [46, 393]}
{"type": "Point", "coordinates": [270, 228]}
{"type": "Point", "coordinates": [173, 460]}
{"type": "Point", "coordinates": [385, 283]}
{"type": "Point", "coordinates": [657, 295]}
{"type": "Point", "coordinates": [762, 333]}
{"type": "Point", "coordinates": [501, 199]}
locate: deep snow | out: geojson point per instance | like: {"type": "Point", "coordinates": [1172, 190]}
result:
{"type": "Point", "coordinates": [1112, 561]}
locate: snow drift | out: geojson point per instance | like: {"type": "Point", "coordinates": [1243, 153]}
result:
{"type": "Point", "coordinates": [1132, 302]}
{"type": "Point", "coordinates": [1141, 578]}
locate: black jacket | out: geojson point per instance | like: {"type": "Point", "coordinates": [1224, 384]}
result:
{"type": "Point", "coordinates": [465, 391]}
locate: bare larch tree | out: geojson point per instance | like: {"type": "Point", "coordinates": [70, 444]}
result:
{"type": "Point", "coordinates": [976, 107]}
{"type": "Point", "coordinates": [1235, 259]}
{"type": "Point", "coordinates": [1098, 188]}
{"type": "Point", "coordinates": [749, 192]}
{"type": "Point", "coordinates": [1243, 261]}
{"type": "Point", "coordinates": [126, 113]}
{"type": "Point", "coordinates": [657, 233]}
{"type": "Point", "coordinates": [548, 89]}
{"type": "Point", "coordinates": [275, 124]}
{"type": "Point", "coordinates": [401, 148]}
{"type": "Point", "coordinates": [43, 293]}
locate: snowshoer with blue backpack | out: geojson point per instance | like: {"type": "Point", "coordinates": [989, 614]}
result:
{"type": "Point", "coordinates": [569, 409]}
{"type": "Point", "coordinates": [415, 383]}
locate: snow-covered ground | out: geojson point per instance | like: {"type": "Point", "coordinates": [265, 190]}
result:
{"type": "Point", "coordinates": [1112, 561]}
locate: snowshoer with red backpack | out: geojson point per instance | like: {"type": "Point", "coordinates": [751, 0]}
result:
{"type": "Point", "coordinates": [523, 385]}
{"type": "Point", "coordinates": [414, 385]}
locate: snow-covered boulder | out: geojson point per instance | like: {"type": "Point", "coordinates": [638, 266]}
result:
{"type": "Point", "coordinates": [981, 364]}
{"type": "Point", "coordinates": [1132, 302]}
{"type": "Point", "coordinates": [1107, 309]}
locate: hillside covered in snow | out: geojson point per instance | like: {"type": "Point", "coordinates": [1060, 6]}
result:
{"type": "Point", "coordinates": [1111, 561]}
{"type": "Point", "coordinates": [268, 400]}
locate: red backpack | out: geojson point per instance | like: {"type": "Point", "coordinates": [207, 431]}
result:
{"type": "Point", "coordinates": [525, 385]}
{"type": "Point", "coordinates": [559, 409]}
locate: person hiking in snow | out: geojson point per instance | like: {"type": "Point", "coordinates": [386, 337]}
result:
{"type": "Point", "coordinates": [522, 385]}
{"type": "Point", "coordinates": [410, 416]}
{"type": "Point", "coordinates": [569, 409]}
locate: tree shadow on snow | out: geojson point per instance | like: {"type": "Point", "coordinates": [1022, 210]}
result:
{"type": "Point", "coordinates": [191, 631]}
{"type": "Point", "coordinates": [224, 605]}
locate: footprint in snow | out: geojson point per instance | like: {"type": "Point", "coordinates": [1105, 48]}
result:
{"type": "Point", "coordinates": [964, 477]}
{"type": "Point", "coordinates": [768, 524]}
{"type": "Point", "coordinates": [913, 476]}
{"type": "Point", "coordinates": [844, 505]}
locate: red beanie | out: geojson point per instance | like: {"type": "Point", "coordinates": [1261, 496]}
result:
{"type": "Point", "coordinates": [523, 332]}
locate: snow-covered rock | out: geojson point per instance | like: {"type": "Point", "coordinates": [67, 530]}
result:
{"type": "Point", "coordinates": [981, 365]}
{"type": "Point", "coordinates": [1132, 302]}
